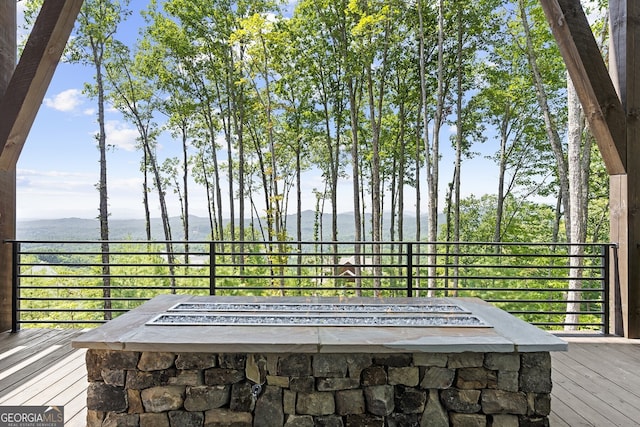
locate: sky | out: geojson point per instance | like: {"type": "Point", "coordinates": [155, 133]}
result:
{"type": "Point", "coordinates": [59, 165]}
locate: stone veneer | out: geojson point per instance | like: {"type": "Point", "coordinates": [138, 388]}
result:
{"type": "Point", "coordinates": [159, 389]}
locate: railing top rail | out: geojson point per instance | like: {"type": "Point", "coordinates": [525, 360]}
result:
{"type": "Point", "coordinates": [311, 242]}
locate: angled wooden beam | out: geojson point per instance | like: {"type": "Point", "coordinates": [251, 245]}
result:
{"type": "Point", "coordinates": [31, 78]}
{"type": "Point", "coordinates": [599, 99]}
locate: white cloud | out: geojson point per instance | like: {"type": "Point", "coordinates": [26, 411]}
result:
{"type": "Point", "coordinates": [120, 135]}
{"type": "Point", "coordinates": [65, 101]}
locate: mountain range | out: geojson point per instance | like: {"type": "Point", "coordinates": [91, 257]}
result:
{"type": "Point", "coordinates": [199, 229]}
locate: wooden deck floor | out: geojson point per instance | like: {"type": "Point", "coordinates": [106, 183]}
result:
{"type": "Point", "coordinates": [595, 383]}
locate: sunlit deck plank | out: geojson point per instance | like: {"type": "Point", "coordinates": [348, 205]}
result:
{"type": "Point", "coordinates": [597, 382]}
{"type": "Point", "coordinates": [40, 350]}
{"type": "Point", "coordinates": [48, 386]}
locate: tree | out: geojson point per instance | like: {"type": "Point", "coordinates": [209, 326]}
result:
{"type": "Point", "coordinates": [133, 95]}
{"type": "Point", "coordinates": [92, 45]}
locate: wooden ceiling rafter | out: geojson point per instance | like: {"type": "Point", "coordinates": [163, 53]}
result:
{"type": "Point", "coordinates": [32, 75]}
{"type": "Point", "coordinates": [600, 101]}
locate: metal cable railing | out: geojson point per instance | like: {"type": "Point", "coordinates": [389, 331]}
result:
{"type": "Point", "coordinates": [64, 283]}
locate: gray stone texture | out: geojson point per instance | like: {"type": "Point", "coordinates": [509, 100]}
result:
{"type": "Point", "coordinates": [156, 361]}
{"type": "Point", "coordinates": [140, 380]}
{"type": "Point", "coordinates": [186, 419]}
{"type": "Point", "coordinates": [330, 365]}
{"type": "Point", "coordinates": [465, 360]}
{"type": "Point", "coordinates": [114, 377]}
{"type": "Point", "coordinates": [356, 363]}
{"type": "Point", "coordinates": [380, 399]}
{"type": "Point", "coordinates": [95, 418]}
{"type": "Point", "coordinates": [289, 402]}
{"type": "Point", "coordinates": [196, 360]}
{"type": "Point", "coordinates": [474, 378]}
{"type": "Point", "coordinates": [463, 401]}
{"type": "Point", "coordinates": [468, 420]}
{"type": "Point", "coordinates": [241, 397]}
{"type": "Point", "coordinates": [502, 361]}
{"type": "Point", "coordinates": [374, 375]}
{"type": "Point", "coordinates": [364, 420]}
{"type": "Point", "coordinates": [278, 381]}
{"type": "Point", "coordinates": [299, 421]}
{"type": "Point", "coordinates": [405, 375]}
{"type": "Point", "coordinates": [535, 372]}
{"type": "Point", "coordinates": [430, 359]}
{"type": "Point", "coordinates": [503, 402]}
{"type": "Point", "coordinates": [350, 402]}
{"type": "Point", "coordinates": [204, 398]}
{"type": "Point", "coordinates": [97, 360]}
{"type": "Point", "coordinates": [269, 410]}
{"type": "Point", "coordinates": [332, 390]}
{"type": "Point", "coordinates": [437, 377]}
{"type": "Point", "coordinates": [320, 403]}
{"type": "Point", "coordinates": [502, 420]}
{"type": "Point", "coordinates": [232, 360]}
{"type": "Point", "coordinates": [135, 402]}
{"type": "Point", "coordinates": [187, 377]}
{"type": "Point", "coordinates": [409, 400]}
{"type": "Point", "coordinates": [393, 359]}
{"type": "Point", "coordinates": [227, 418]}
{"type": "Point", "coordinates": [302, 384]}
{"type": "Point", "coordinates": [256, 368]}
{"type": "Point", "coordinates": [434, 414]}
{"type": "Point", "coordinates": [328, 421]}
{"type": "Point", "coordinates": [295, 365]}
{"type": "Point", "coordinates": [334, 384]}
{"type": "Point", "coordinates": [508, 380]}
{"type": "Point", "coordinates": [154, 420]}
{"type": "Point", "coordinates": [162, 399]}
{"type": "Point", "coordinates": [218, 376]}
{"type": "Point", "coordinates": [121, 420]}
{"type": "Point", "coordinates": [539, 404]}
{"type": "Point", "coordinates": [106, 398]}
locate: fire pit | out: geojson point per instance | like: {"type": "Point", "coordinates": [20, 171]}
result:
{"type": "Point", "coordinates": [313, 314]}
{"type": "Point", "coordinates": [184, 360]}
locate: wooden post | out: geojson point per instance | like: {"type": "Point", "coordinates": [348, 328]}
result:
{"type": "Point", "coordinates": [21, 94]}
{"type": "Point", "coordinates": [611, 101]}
{"type": "Point", "coordinates": [624, 198]}
{"type": "Point", "coordinates": [8, 52]}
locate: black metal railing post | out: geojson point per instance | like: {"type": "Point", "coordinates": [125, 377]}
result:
{"type": "Point", "coordinates": [618, 327]}
{"type": "Point", "coordinates": [212, 268]}
{"type": "Point", "coordinates": [606, 265]}
{"type": "Point", "coordinates": [15, 286]}
{"type": "Point", "coordinates": [410, 270]}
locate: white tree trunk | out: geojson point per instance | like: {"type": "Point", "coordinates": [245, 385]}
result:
{"type": "Point", "coordinates": [578, 201]}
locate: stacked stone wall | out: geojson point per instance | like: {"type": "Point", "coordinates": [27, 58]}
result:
{"type": "Point", "coordinates": [421, 389]}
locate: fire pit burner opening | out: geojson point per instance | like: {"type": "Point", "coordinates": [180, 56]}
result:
{"type": "Point", "coordinates": [317, 314]}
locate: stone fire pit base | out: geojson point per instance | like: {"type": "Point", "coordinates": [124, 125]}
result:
{"type": "Point", "coordinates": [145, 374]}
{"type": "Point", "coordinates": [247, 389]}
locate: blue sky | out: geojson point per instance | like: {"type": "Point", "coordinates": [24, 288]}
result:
{"type": "Point", "coordinates": [58, 167]}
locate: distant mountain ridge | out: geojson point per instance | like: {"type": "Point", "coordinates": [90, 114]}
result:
{"type": "Point", "coordinates": [80, 229]}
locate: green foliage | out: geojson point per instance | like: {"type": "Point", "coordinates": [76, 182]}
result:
{"type": "Point", "coordinates": [529, 280]}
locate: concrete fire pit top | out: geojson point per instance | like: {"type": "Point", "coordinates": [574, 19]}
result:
{"type": "Point", "coordinates": [493, 330]}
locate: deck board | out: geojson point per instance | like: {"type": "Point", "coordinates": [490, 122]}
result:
{"type": "Point", "coordinates": [595, 383]}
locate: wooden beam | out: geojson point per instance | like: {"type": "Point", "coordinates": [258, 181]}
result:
{"type": "Point", "coordinates": [624, 199]}
{"type": "Point", "coordinates": [30, 81]}
{"type": "Point", "coordinates": [8, 52]}
{"type": "Point", "coordinates": [599, 99]}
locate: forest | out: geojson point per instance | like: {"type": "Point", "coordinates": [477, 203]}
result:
{"type": "Point", "coordinates": [261, 94]}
